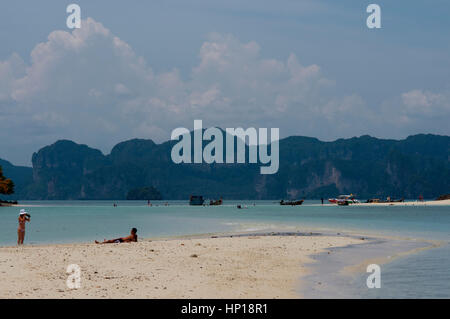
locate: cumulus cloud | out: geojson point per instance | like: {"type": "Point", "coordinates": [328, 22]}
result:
{"type": "Point", "coordinates": [90, 86]}
{"type": "Point", "coordinates": [10, 70]}
{"type": "Point", "coordinates": [426, 103]}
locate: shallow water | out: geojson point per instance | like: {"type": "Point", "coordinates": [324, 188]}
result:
{"type": "Point", "coordinates": [424, 274]}
{"type": "Point", "coordinates": [405, 271]}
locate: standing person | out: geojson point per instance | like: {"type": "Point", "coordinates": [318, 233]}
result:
{"type": "Point", "coordinates": [23, 218]}
{"type": "Point", "coordinates": [322, 200]}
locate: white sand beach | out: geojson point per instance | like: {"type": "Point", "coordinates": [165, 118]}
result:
{"type": "Point", "coordinates": [224, 267]}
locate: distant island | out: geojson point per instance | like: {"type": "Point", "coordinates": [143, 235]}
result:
{"type": "Point", "coordinates": [309, 168]}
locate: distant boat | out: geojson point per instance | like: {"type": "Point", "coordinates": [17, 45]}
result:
{"type": "Point", "coordinates": [388, 200]}
{"type": "Point", "coordinates": [8, 203]}
{"type": "Point", "coordinates": [196, 200]}
{"type": "Point", "coordinates": [443, 197]}
{"type": "Point", "coordinates": [291, 203]}
{"type": "Point", "coordinates": [216, 202]}
{"type": "Point", "coordinates": [344, 198]}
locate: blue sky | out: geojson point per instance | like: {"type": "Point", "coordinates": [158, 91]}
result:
{"type": "Point", "coordinates": [302, 64]}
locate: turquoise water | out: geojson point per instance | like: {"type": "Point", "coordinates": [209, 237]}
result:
{"type": "Point", "coordinates": [424, 274]}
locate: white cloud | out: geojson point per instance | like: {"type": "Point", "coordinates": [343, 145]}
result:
{"type": "Point", "coordinates": [121, 89]}
{"type": "Point", "coordinates": [10, 70]}
{"type": "Point", "coordinates": [425, 103]}
{"type": "Point", "coordinates": [90, 86]}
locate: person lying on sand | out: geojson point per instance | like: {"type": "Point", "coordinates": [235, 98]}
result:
{"type": "Point", "coordinates": [132, 238]}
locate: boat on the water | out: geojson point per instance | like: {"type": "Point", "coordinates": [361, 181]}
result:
{"type": "Point", "coordinates": [216, 202]}
{"type": "Point", "coordinates": [350, 199]}
{"type": "Point", "coordinates": [388, 200]}
{"type": "Point", "coordinates": [196, 200]}
{"type": "Point", "coordinates": [291, 203]}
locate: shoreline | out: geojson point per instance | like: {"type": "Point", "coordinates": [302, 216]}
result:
{"type": "Point", "coordinates": [445, 202]}
{"type": "Point", "coordinates": [340, 272]}
{"type": "Point", "coordinates": [243, 265]}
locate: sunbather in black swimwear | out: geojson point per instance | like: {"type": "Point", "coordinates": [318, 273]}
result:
{"type": "Point", "coordinates": [128, 239]}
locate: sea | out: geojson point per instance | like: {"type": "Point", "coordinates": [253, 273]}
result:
{"type": "Point", "coordinates": [411, 244]}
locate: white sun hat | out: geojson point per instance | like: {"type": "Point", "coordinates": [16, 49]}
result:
{"type": "Point", "coordinates": [22, 212]}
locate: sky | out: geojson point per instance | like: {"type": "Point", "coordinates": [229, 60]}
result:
{"type": "Point", "coordinates": [140, 69]}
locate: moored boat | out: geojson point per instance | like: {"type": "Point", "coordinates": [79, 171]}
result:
{"type": "Point", "coordinates": [291, 203]}
{"type": "Point", "coordinates": [388, 200]}
{"type": "Point", "coordinates": [216, 202]}
{"type": "Point", "coordinates": [344, 198]}
{"type": "Point", "coordinates": [196, 200]}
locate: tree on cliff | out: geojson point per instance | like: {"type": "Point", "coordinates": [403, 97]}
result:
{"type": "Point", "coordinates": [6, 184]}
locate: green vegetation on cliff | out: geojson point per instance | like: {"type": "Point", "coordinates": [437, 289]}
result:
{"type": "Point", "coordinates": [144, 193]}
{"type": "Point", "coordinates": [309, 168]}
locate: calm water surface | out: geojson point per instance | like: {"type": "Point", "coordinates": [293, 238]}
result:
{"type": "Point", "coordinates": [425, 274]}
